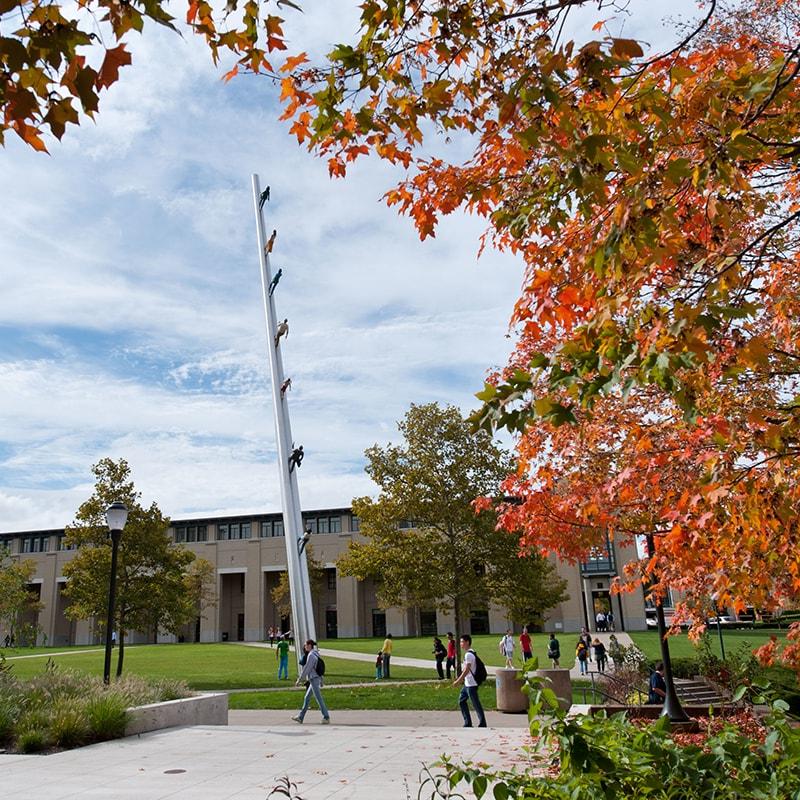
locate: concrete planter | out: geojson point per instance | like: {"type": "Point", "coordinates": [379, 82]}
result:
{"type": "Point", "coordinates": [203, 709]}
{"type": "Point", "coordinates": [510, 698]}
{"type": "Point", "coordinates": [560, 683]}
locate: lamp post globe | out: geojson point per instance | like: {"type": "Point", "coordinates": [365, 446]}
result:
{"type": "Point", "coordinates": [116, 517]}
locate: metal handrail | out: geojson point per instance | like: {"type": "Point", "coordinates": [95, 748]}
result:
{"type": "Point", "coordinates": [598, 691]}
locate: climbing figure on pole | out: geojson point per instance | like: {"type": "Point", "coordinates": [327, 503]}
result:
{"type": "Point", "coordinates": [269, 245]}
{"type": "Point", "coordinates": [283, 330]}
{"type": "Point", "coordinates": [274, 282]}
{"type": "Point", "coordinates": [296, 458]}
{"type": "Point", "coordinates": [285, 386]}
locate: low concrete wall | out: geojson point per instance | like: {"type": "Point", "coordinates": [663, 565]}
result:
{"type": "Point", "coordinates": [203, 709]}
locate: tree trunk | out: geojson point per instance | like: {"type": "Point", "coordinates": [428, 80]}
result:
{"type": "Point", "coordinates": [121, 652]}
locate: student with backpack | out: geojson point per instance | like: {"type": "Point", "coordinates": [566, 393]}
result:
{"type": "Point", "coordinates": [582, 655]}
{"type": "Point", "coordinates": [554, 650]}
{"type": "Point", "coordinates": [472, 676]}
{"type": "Point", "coordinates": [313, 670]}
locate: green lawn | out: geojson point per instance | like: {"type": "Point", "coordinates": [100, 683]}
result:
{"type": "Point", "coordinates": [486, 645]}
{"type": "Point", "coordinates": [681, 646]}
{"type": "Point", "coordinates": [426, 697]}
{"type": "Point", "coordinates": [211, 666]}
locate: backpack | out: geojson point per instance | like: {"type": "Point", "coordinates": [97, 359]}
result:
{"type": "Point", "coordinates": [480, 669]}
{"type": "Point", "coordinates": [553, 649]}
{"type": "Point", "coordinates": [320, 668]}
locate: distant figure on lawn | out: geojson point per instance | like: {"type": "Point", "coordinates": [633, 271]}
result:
{"type": "Point", "coordinates": [387, 654]}
{"type": "Point", "coordinates": [282, 654]}
{"type": "Point", "coordinates": [554, 650]}
{"type": "Point", "coordinates": [451, 654]}
{"type": "Point", "coordinates": [582, 655]}
{"type": "Point", "coordinates": [525, 644]}
{"type": "Point", "coordinates": [379, 666]}
{"type": "Point", "coordinates": [439, 653]}
{"type": "Point", "coordinates": [507, 649]}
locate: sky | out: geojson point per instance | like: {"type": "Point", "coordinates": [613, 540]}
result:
{"type": "Point", "coordinates": [131, 318]}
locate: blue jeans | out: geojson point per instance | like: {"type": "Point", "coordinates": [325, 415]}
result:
{"type": "Point", "coordinates": [386, 659]}
{"type": "Point", "coordinates": [471, 692]}
{"type": "Point", "coordinates": [283, 667]}
{"type": "Point", "coordinates": [314, 688]}
{"type": "Point", "coordinates": [584, 669]}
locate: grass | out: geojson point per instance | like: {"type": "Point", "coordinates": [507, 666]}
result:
{"type": "Point", "coordinates": [211, 666]}
{"type": "Point", "coordinates": [486, 645]}
{"type": "Point", "coordinates": [381, 697]}
{"type": "Point", "coordinates": [681, 646]}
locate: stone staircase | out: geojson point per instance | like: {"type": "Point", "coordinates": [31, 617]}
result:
{"type": "Point", "coordinates": [698, 693]}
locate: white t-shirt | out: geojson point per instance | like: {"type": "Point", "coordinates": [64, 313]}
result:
{"type": "Point", "coordinates": [469, 660]}
{"type": "Point", "coordinates": [507, 646]}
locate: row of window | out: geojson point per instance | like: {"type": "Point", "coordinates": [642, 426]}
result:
{"type": "Point", "coordinates": [269, 529]}
{"type": "Point", "coordinates": [35, 544]}
{"type": "Point", "coordinates": [191, 533]}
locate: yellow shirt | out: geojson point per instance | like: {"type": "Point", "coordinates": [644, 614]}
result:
{"type": "Point", "coordinates": [387, 646]}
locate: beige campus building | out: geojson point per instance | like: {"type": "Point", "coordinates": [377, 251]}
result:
{"type": "Point", "coordinates": [249, 553]}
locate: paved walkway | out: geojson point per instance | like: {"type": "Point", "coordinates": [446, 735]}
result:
{"type": "Point", "coordinates": [347, 760]}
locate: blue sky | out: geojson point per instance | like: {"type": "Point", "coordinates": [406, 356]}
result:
{"type": "Point", "coordinates": [130, 318]}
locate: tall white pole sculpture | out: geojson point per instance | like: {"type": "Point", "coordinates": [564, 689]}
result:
{"type": "Point", "coordinates": [288, 463]}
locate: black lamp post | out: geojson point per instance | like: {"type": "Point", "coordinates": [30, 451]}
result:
{"type": "Point", "coordinates": [672, 705]}
{"type": "Point", "coordinates": [116, 517]}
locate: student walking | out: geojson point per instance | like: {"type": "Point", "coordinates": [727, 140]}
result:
{"type": "Point", "coordinates": [313, 681]}
{"type": "Point", "coordinates": [507, 649]}
{"type": "Point", "coordinates": [387, 654]}
{"type": "Point", "coordinates": [582, 655]}
{"type": "Point", "coordinates": [439, 653]}
{"type": "Point", "coordinates": [451, 654]}
{"type": "Point", "coordinates": [554, 650]}
{"type": "Point", "coordinates": [599, 654]}
{"type": "Point", "coordinates": [470, 689]}
{"type": "Point", "coordinates": [282, 654]}
{"type": "Point", "coordinates": [525, 644]}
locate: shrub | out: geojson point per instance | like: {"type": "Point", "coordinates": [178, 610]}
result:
{"type": "Point", "coordinates": [609, 757]}
{"type": "Point", "coordinates": [68, 723]}
{"type": "Point", "coordinates": [32, 731]}
{"type": "Point", "coordinates": [107, 716]}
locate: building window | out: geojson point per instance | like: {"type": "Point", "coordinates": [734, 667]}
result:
{"type": "Point", "coordinates": [191, 533]}
{"type": "Point", "coordinates": [601, 559]}
{"type": "Point", "coordinates": [310, 524]}
{"type": "Point", "coordinates": [277, 527]}
{"type": "Point", "coordinates": [233, 530]}
{"type": "Point", "coordinates": [331, 578]}
{"type": "Point", "coordinates": [336, 524]}
{"type": "Point", "coordinates": [26, 545]}
{"type": "Point", "coordinates": [322, 525]}
{"type": "Point", "coordinates": [35, 544]}
{"type": "Point", "coordinates": [355, 523]}
{"type": "Point", "coordinates": [405, 523]}
{"type": "Point", "coordinates": [62, 544]}
{"type": "Point", "coordinates": [266, 530]}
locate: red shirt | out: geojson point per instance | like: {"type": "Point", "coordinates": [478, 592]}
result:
{"type": "Point", "coordinates": [451, 648]}
{"type": "Point", "coordinates": [525, 641]}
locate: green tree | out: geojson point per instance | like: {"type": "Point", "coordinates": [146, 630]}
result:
{"type": "Point", "coordinates": [156, 584]}
{"type": "Point", "coordinates": [523, 581]}
{"type": "Point", "coordinates": [16, 598]}
{"type": "Point", "coordinates": [450, 558]}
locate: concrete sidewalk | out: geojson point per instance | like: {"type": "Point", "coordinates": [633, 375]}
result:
{"type": "Point", "coordinates": [350, 761]}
